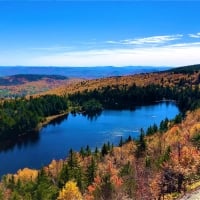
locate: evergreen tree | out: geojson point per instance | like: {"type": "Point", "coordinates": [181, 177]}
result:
{"type": "Point", "coordinates": [88, 151]}
{"type": "Point", "coordinates": [104, 150]}
{"type": "Point", "coordinates": [91, 171]}
{"type": "Point", "coordinates": [121, 142]}
{"type": "Point", "coordinates": [96, 151]}
{"type": "Point", "coordinates": [141, 145]}
{"type": "Point", "coordinates": [82, 152]}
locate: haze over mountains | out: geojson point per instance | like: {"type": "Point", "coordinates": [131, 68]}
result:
{"type": "Point", "coordinates": [80, 72]}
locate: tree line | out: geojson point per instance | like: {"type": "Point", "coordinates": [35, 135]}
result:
{"type": "Point", "coordinates": [124, 97]}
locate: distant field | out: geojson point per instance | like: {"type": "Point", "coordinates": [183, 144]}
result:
{"type": "Point", "coordinates": [28, 84]}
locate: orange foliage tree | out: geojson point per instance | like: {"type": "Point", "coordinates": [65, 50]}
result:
{"type": "Point", "coordinates": [105, 186]}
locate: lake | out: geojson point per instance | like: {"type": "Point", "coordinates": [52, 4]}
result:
{"type": "Point", "coordinates": [56, 139]}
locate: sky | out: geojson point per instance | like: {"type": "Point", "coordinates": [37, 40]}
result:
{"type": "Point", "coordinates": [99, 33]}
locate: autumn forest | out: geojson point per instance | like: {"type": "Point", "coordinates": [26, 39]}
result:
{"type": "Point", "coordinates": [162, 163]}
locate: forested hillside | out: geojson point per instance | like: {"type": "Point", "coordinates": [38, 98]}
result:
{"type": "Point", "coordinates": [20, 117]}
{"type": "Point", "coordinates": [186, 70]}
{"type": "Point", "coordinates": [173, 78]}
{"type": "Point", "coordinates": [163, 163]}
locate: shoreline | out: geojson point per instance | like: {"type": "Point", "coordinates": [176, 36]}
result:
{"type": "Point", "coordinates": [50, 119]}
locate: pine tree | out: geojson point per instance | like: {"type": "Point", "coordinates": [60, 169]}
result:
{"type": "Point", "coordinates": [96, 151]}
{"type": "Point", "coordinates": [88, 151]}
{"type": "Point", "coordinates": [104, 150]}
{"type": "Point", "coordinates": [121, 142]}
{"type": "Point", "coordinates": [141, 144]}
{"type": "Point", "coordinates": [91, 171]}
{"type": "Point", "coordinates": [82, 152]}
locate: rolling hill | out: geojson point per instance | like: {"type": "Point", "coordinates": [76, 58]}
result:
{"type": "Point", "coordinates": [186, 69]}
{"type": "Point", "coordinates": [189, 75]}
{"type": "Point", "coordinates": [19, 79]}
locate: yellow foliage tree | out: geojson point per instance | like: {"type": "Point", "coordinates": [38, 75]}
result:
{"type": "Point", "coordinates": [70, 192]}
{"type": "Point", "coordinates": [26, 174]}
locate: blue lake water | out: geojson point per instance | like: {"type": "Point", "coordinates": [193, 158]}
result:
{"type": "Point", "coordinates": [55, 140]}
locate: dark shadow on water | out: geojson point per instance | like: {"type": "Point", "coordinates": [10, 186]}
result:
{"type": "Point", "coordinates": [58, 120]}
{"type": "Point", "coordinates": [26, 140]}
{"type": "Point", "coordinates": [92, 116]}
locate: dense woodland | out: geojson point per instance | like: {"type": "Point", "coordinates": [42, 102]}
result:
{"type": "Point", "coordinates": [123, 97]}
{"type": "Point", "coordinates": [163, 163]}
{"type": "Point", "coordinates": [21, 116]}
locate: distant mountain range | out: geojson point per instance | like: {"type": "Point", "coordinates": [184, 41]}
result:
{"type": "Point", "coordinates": [80, 72]}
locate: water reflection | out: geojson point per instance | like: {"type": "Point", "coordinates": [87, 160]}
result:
{"type": "Point", "coordinates": [28, 140]}
{"type": "Point", "coordinates": [58, 120]}
{"type": "Point", "coordinates": [22, 142]}
{"type": "Point", "coordinates": [92, 116]}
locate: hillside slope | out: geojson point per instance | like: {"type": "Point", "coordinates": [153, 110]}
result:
{"type": "Point", "coordinates": [167, 78]}
{"type": "Point", "coordinates": [186, 69]}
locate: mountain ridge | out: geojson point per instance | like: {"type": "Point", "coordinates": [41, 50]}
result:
{"type": "Point", "coordinates": [80, 72]}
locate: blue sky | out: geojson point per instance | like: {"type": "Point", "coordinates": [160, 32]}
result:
{"type": "Point", "coordinates": [99, 33]}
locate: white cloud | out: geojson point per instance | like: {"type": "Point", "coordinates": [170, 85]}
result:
{"type": "Point", "coordinates": [183, 54]}
{"type": "Point", "coordinates": [148, 40]}
{"type": "Point", "coordinates": [165, 54]}
{"type": "Point", "coordinates": [197, 35]}
{"type": "Point", "coordinates": [191, 44]}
